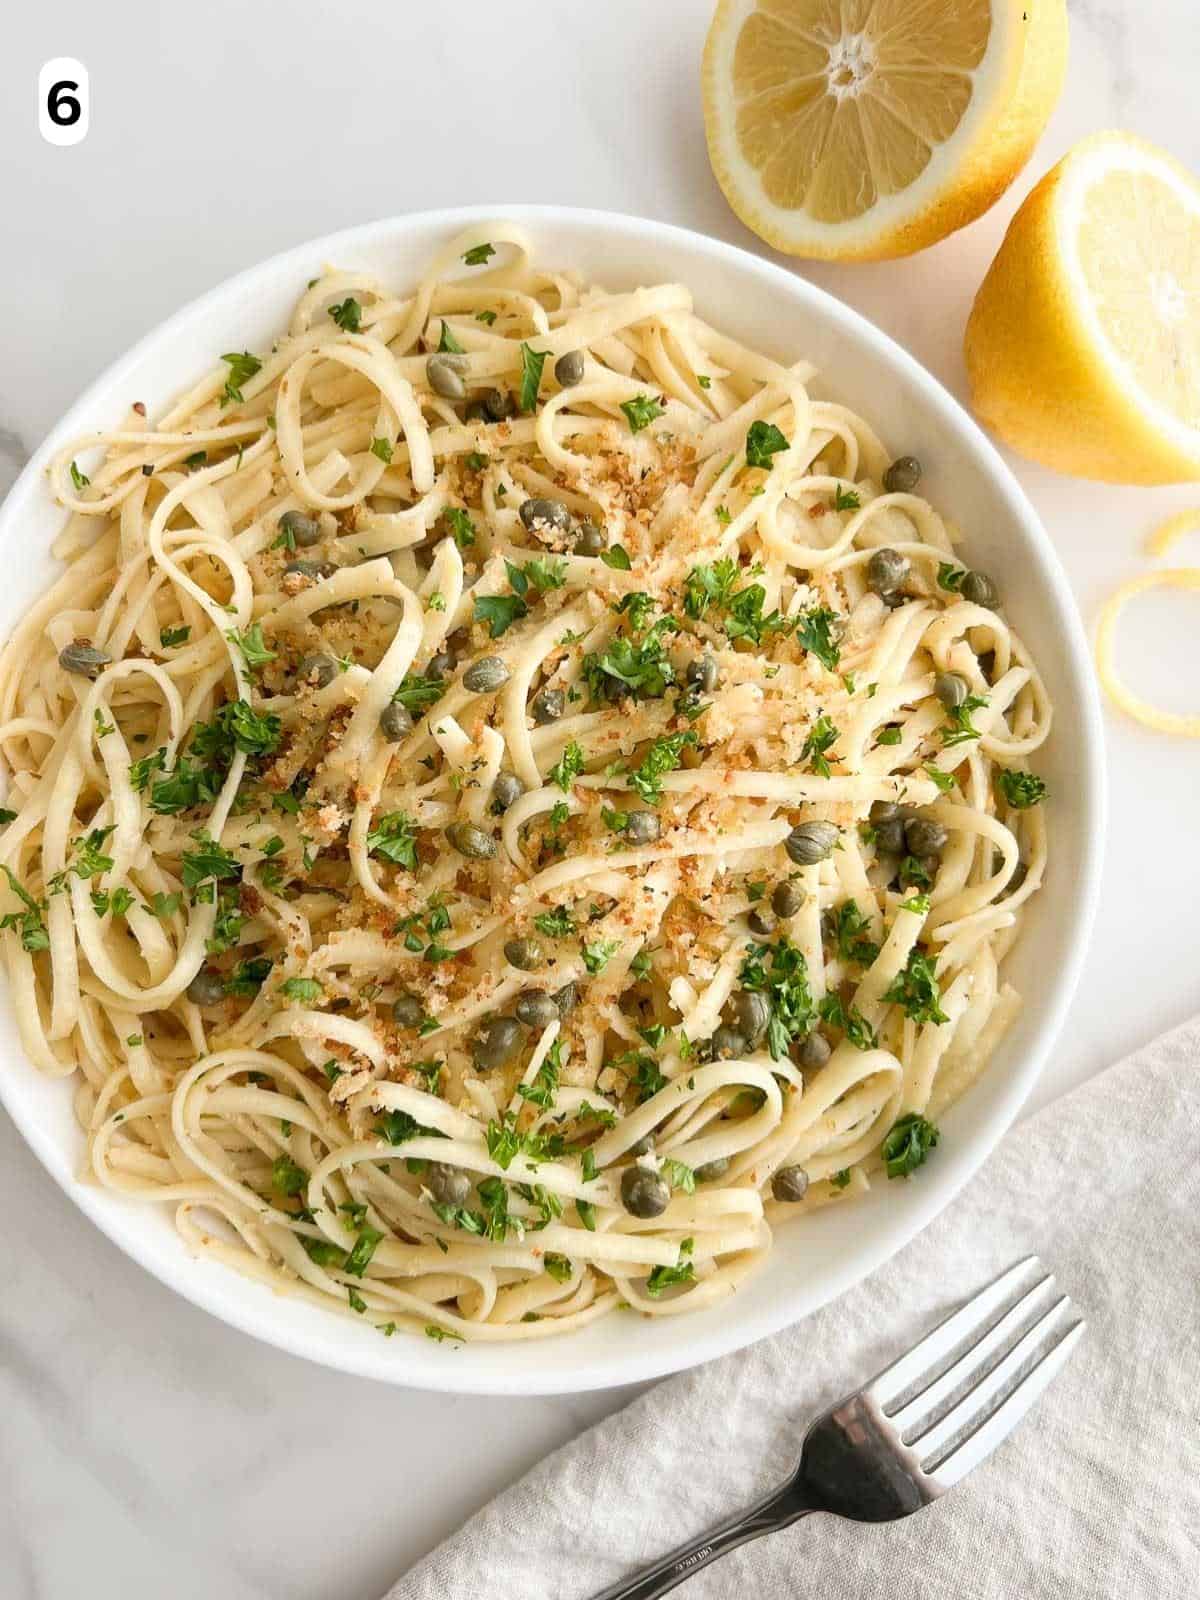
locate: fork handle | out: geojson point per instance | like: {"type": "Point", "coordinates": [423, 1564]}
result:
{"type": "Point", "coordinates": [775, 1511]}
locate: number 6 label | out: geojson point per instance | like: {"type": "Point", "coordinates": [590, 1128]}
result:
{"type": "Point", "coordinates": [64, 101]}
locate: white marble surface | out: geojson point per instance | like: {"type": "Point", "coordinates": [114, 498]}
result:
{"type": "Point", "coordinates": [145, 1449]}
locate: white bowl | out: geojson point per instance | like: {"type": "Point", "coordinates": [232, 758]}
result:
{"type": "Point", "coordinates": [773, 309]}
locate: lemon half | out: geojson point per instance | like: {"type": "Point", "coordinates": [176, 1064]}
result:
{"type": "Point", "coordinates": [1083, 346]}
{"type": "Point", "coordinates": [857, 129]}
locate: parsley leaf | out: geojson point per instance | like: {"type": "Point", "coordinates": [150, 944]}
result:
{"type": "Point", "coordinates": [254, 648]}
{"type": "Point", "coordinates": [849, 931]}
{"type": "Point", "coordinates": [79, 480]}
{"type": "Point", "coordinates": [667, 1277]}
{"type": "Point", "coordinates": [597, 955]}
{"type": "Point", "coordinates": [820, 738]}
{"type": "Point", "coordinates": [348, 315]}
{"type": "Point", "coordinates": [460, 526]}
{"type": "Point", "coordinates": [853, 1024]}
{"type": "Point", "coordinates": [242, 366]}
{"type": "Point", "coordinates": [916, 989]}
{"type": "Point", "coordinates": [845, 499]}
{"type": "Point", "coordinates": [763, 441]}
{"type": "Point", "coordinates": [448, 344]}
{"type": "Point", "coordinates": [1020, 789]}
{"type": "Point", "coordinates": [306, 989]}
{"type": "Point", "coordinates": [394, 837]}
{"type": "Point", "coordinates": [960, 728]}
{"type": "Point", "coordinates": [381, 448]}
{"type": "Point", "coordinates": [499, 611]}
{"type": "Point", "coordinates": [641, 411]}
{"type": "Point", "coordinates": [945, 781]}
{"type": "Point", "coordinates": [168, 638]}
{"type": "Point", "coordinates": [556, 924]}
{"type": "Point", "coordinates": [662, 757]}
{"type": "Point", "coordinates": [29, 923]}
{"type": "Point", "coordinates": [617, 558]}
{"type": "Point", "coordinates": [532, 362]}
{"type": "Point", "coordinates": [287, 1177]}
{"type": "Point", "coordinates": [710, 585]}
{"type": "Point", "coordinates": [568, 767]}
{"type": "Point", "coordinates": [950, 577]}
{"type": "Point", "coordinates": [780, 972]}
{"type": "Point", "coordinates": [907, 1145]}
{"type": "Point", "coordinates": [817, 635]}
{"type": "Point", "coordinates": [478, 254]}
{"type": "Point", "coordinates": [207, 863]}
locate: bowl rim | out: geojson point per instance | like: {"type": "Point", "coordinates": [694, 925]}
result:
{"type": "Point", "coordinates": [725, 1334]}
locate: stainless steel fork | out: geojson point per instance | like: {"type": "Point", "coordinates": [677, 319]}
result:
{"type": "Point", "coordinates": [912, 1432]}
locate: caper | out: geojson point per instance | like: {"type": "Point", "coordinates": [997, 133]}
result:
{"type": "Point", "coordinates": [979, 589]}
{"type": "Point", "coordinates": [810, 842]}
{"type": "Point", "coordinates": [813, 1051]}
{"type": "Point", "coordinates": [924, 836]}
{"type": "Point", "coordinates": [787, 898]}
{"type": "Point", "coordinates": [950, 689]}
{"type": "Point", "coordinates": [474, 843]}
{"type": "Point", "coordinates": [311, 569]}
{"type": "Point", "coordinates": [440, 666]}
{"type": "Point", "coordinates": [903, 476]}
{"type": "Point", "coordinates": [299, 530]}
{"type": "Point", "coordinates": [82, 658]}
{"type": "Point", "coordinates": [644, 827]}
{"type": "Point", "coordinates": [319, 667]}
{"type": "Point", "coordinates": [751, 1012]}
{"type": "Point", "coordinates": [644, 1146]}
{"type": "Point", "coordinates": [395, 722]}
{"type": "Point", "coordinates": [885, 811]}
{"type": "Point", "coordinates": [445, 375]}
{"type": "Point", "coordinates": [539, 513]}
{"type": "Point", "coordinates": [703, 673]}
{"type": "Point", "coordinates": [498, 404]}
{"type": "Point", "coordinates": [407, 1010]}
{"type": "Point", "coordinates": [448, 1185]}
{"type": "Point", "coordinates": [206, 988]}
{"type": "Point", "coordinates": [568, 369]}
{"type": "Point", "coordinates": [712, 1170]}
{"type": "Point", "coordinates": [727, 1044]}
{"type": "Point", "coordinates": [763, 921]}
{"type": "Point", "coordinates": [536, 1009]}
{"type": "Point", "coordinates": [506, 789]}
{"type": "Point", "coordinates": [523, 953]}
{"type": "Point", "coordinates": [889, 837]}
{"type": "Point", "coordinates": [644, 1193]}
{"type": "Point", "coordinates": [589, 539]}
{"type": "Point", "coordinates": [547, 706]}
{"type": "Point", "coordinates": [566, 998]}
{"type": "Point", "coordinates": [486, 675]}
{"type": "Point", "coordinates": [886, 571]}
{"type": "Point", "coordinates": [498, 1043]}
{"type": "Point", "coordinates": [790, 1183]}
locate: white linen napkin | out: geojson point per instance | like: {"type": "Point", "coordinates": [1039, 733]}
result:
{"type": "Point", "coordinates": [1096, 1494]}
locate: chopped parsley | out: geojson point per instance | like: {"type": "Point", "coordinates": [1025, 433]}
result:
{"type": "Point", "coordinates": [383, 449]}
{"type": "Point", "coordinates": [255, 650]}
{"type": "Point", "coordinates": [348, 315]}
{"type": "Point", "coordinates": [663, 1278]}
{"type": "Point", "coordinates": [853, 1024]}
{"type": "Point", "coordinates": [916, 989]}
{"type": "Point", "coordinates": [845, 499]}
{"type": "Point", "coordinates": [79, 480]}
{"type": "Point", "coordinates": [242, 366]}
{"type": "Point", "coordinates": [907, 1145]}
{"type": "Point", "coordinates": [28, 923]}
{"type": "Point", "coordinates": [840, 1180]}
{"type": "Point", "coordinates": [662, 757]}
{"type": "Point", "coordinates": [641, 411]}
{"type": "Point", "coordinates": [639, 668]}
{"type": "Point", "coordinates": [478, 254]}
{"type": "Point", "coordinates": [532, 362]}
{"type": "Point", "coordinates": [817, 634]}
{"type": "Point", "coordinates": [556, 924]}
{"type": "Point", "coordinates": [540, 574]}
{"type": "Point", "coordinates": [169, 638]}
{"type": "Point", "coordinates": [617, 558]}
{"type": "Point", "coordinates": [960, 728]}
{"type": "Point", "coordinates": [780, 973]}
{"type": "Point", "coordinates": [287, 1177]}
{"type": "Point", "coordinates": [598, 954]}
{"type": "Point", "coordinates": [460, 526]}
{"type": "Point", "coordinates": [763, 440]}
{"type": "Point", "coordinates": [307, 990]}
{"type": "Point", "coordinates": [448, 344]}
{"type": "Point", "coordinates": [1020, 789]}
{"type": "Point", "coordinates": [567, 768]}
{"type": "Point", "coordinates": [945, 781]}
{"type": "Point", "coordinates": [850, 932]}
{"type": "Point", "coordinates": [950, 577]}
{"type": "Point", "coordinates": [819, 740]}
{"type": "Point", "coordinates": [394, 837]}
{"type": "Point", "coordinates": [559, 1268]}
{"type": "Point", "coordinates": [499, 611]}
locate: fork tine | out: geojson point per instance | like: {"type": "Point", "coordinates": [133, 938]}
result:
{"type": "Point", "coordinates": [1001, 1422]}
{"type": "Point", "coordinates": [953, 1331]}
{"type": "Point", "coordinates": [972, 1365]}
{"type": "Point", "coordinates": [930, 1443]}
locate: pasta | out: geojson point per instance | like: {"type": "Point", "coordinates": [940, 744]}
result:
{"type": "Point", "coordinates": [511, 798]}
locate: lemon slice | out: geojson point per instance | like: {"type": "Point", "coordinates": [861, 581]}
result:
{"type": "Point", "coordinates": [855, 129]}
{"type": "Point", "coordinates": [1083, 346]}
